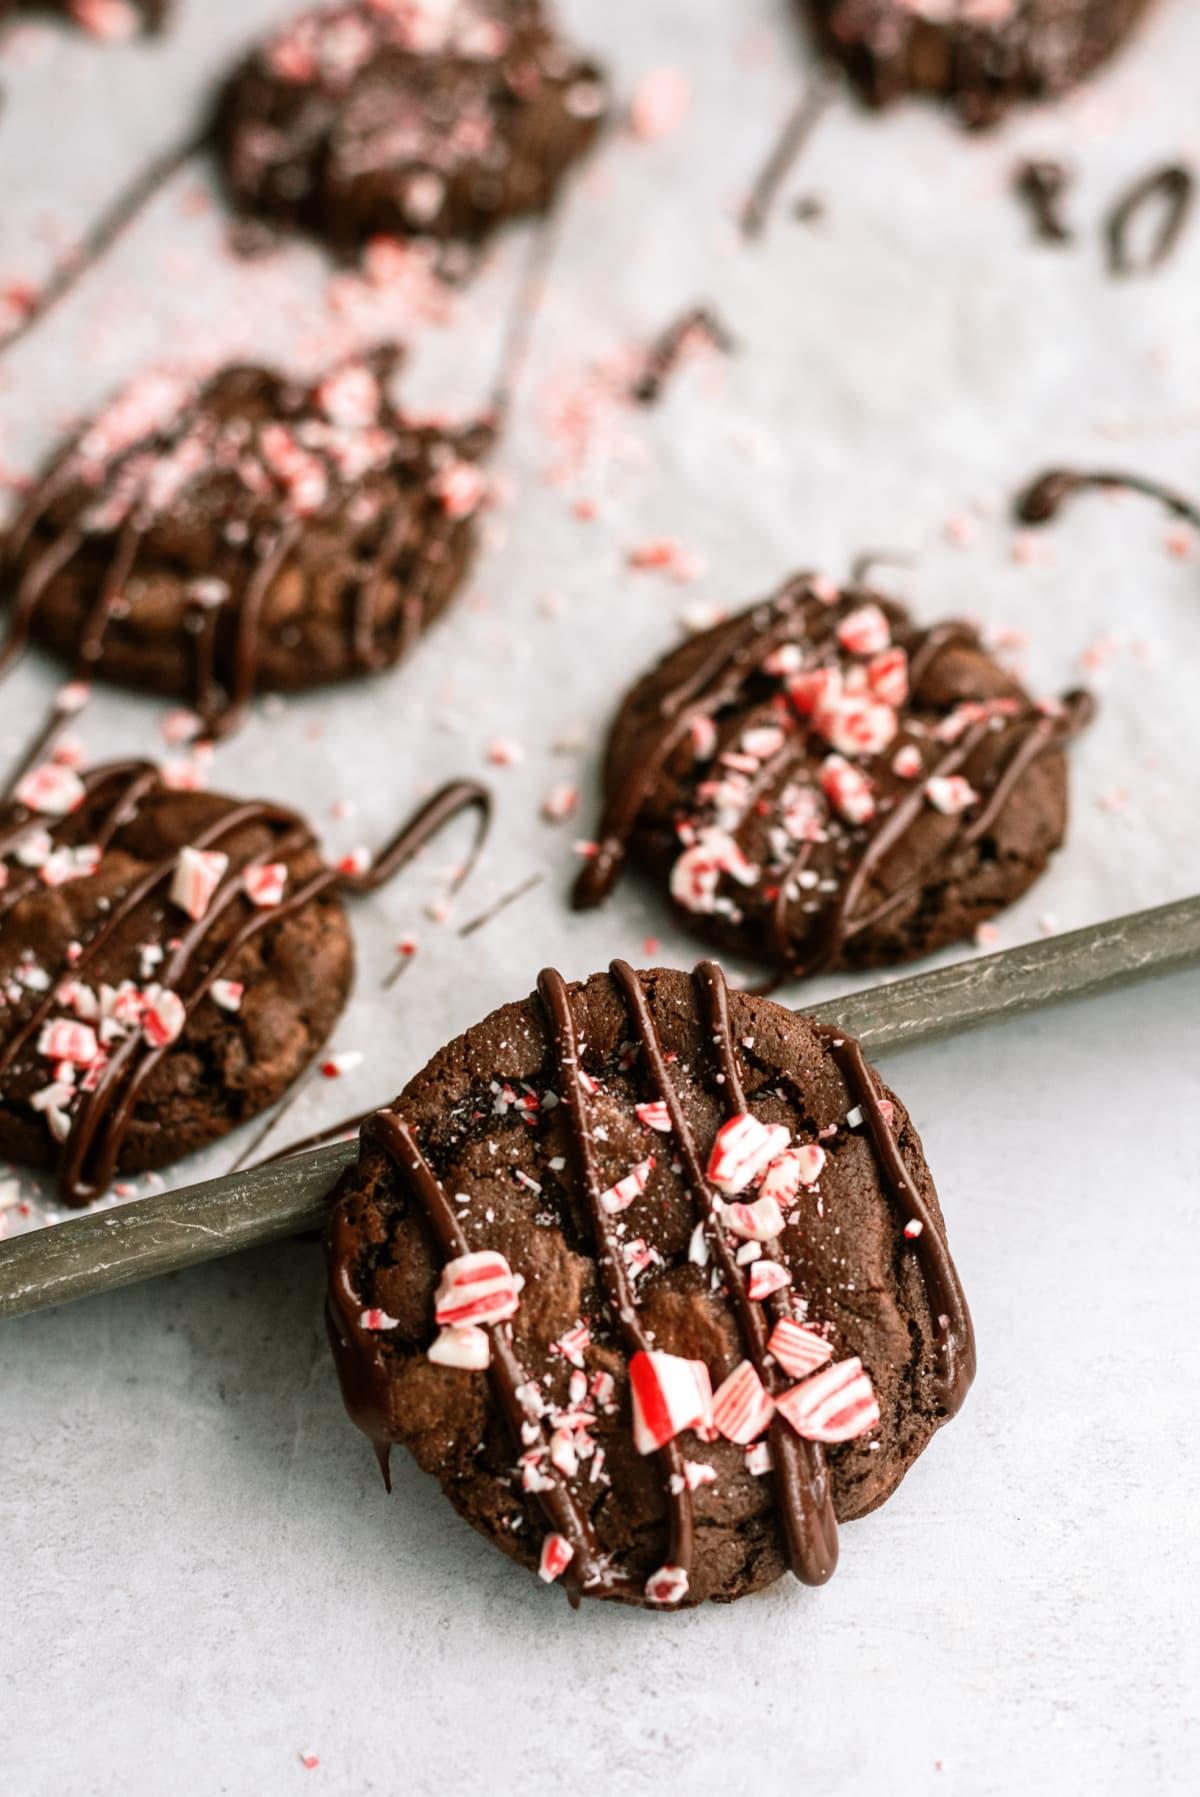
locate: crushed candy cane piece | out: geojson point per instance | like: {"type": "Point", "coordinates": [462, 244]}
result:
{"type": "Point", "coordinates": [907, 762]}
{"type": "Point", "coordinates": [476, 1288]}
{"type": "Point", "coordinates": [376, 1319]}
{"type": "Point", "coordinates": [744, 1148]}
{"type": "Point", "coordinates": [950, 794]}
{"type": "Point", "coordinates": [335, 1066]}
{"type": "Point", "coordinates": [887, 677]}
{"type": "Point", "coordinates": [51, 790]}
{"type": "Point", "coordinates": [761, 1221]}
{"type": "Point", "coordinates": [264, 882]}
{"type": "Point", "coordinates": [766, 1277]}
{"type": "Point", "coordinates": [626, 1190]}
{"type": "Point", "coordinates": [655, 1116]}
{"type": "Point", "coordinates": [836, 1405]}
{"type": "Point", "coordinates": [63, 1040]}
{"type": "Point", "coordinates": [669, 1394]}
{"type": "Point", "coordinates": [462, 1346]}
{"type": "Point", "coordinates": [198, 873]}
{"type": "Point", "coordinates": [864, 631]}
{"type": "Point", "coordinates": [798, 1349]}
{"type": "Point", "coordinates": [163, 1016]}
{"type": "Point", "coordinates": [557, 1554]}
{"type": "Point", "coordinates": [228, 994]}
{"type": "Point", "coordinates": [848, 790]}
{"type": "Point", "coordinates": [758, 1459]}
{"type": "Point", "coordinates": [697, 873]}
{"type": "Point", "coordinates": [742, 1406]}
{"type": "Point", "coordinates": [669, 1585]}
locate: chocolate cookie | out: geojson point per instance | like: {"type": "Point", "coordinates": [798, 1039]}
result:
{"type": "Point", "coordinates": [984, 58]}
{"type": "Point", "coordinates": [114, 19]}
{"type": "Point", "coordinates": [653, 1279]}
{"type": "Point", "coordinates": [434, 120]}
{"type": "Point", "coordinates": [169, 963]}
{"type": "Point", "coordinates": [821, 784]}
{"type": "Point", "coordinates": [254, 534]}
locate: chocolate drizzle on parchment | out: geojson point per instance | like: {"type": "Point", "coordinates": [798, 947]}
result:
{"type": "Point", "coordinates": [100, 1122]}
{"type": "Point", "coordinates": [800, 1468]}
{"type": "Point", "coordinates": [720, 681]}
{"type": "Point", "coordinates": [1167, 194]}
{"type": "Point", "coordinates": [1041, 501]}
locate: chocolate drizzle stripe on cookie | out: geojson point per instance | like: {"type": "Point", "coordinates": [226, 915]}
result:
{"type": "Point", "coordinates": [805, 1498]}
{"type": "Point", "coordinates": [619, 1287]}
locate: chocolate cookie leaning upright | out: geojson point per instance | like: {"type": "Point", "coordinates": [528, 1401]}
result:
{"type": "Point", "coordinates": [169, 963]}
{"type": "Point", "coordinates": [431, 119]}
{"type": "Point", "coordinates": [819, 783]}
{"type": "Point", "coordinates": [652, 1277]}
{"type": "Point", "coordinates": [254, 533]}
{"type": "Point", "coordinates": [982, 58]}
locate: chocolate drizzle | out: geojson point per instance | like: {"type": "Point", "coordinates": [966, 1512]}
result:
{"type": "Point", "coordinates": [801, 1478]}
{"type": "Point", "coordinates": [619, 1287]}
{"type": "Point", "coordinates": [1042, 500]}
{"type": "Point", "coordinates": [1043, 183]}
{"type": "Point", "coordinates": [955, 1345]}
{"type": "Point", "coordinates": [804, 1496]}
{"type": "Point", "coordinates": [1172, 189]}
{"type": "Point", "coordinates": [99, 1125]}
{"type": "Point", "coordinates": [720, 680]}
{"type": "Point", "coordinates": [249, 447]}
{"type": "Point", "coordinates": [665, 353]}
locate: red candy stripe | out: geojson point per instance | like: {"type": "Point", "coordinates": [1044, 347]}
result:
{"type": "Point", "coordinates": [798, 1350]}
{"type": "Point", "coordinates": [836, 1405]}
{"type": "Point", "coordinates": [669, 1394]}
{"type": "Point", "coordinates": [742, 1407]}
{"type": "Point", "coordinates": [476, 1288]}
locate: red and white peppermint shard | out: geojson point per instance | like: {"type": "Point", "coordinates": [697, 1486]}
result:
{"type": "Point", "coordinates": [557, 1554]}
{"type": "Point", "coordinates": [742, 1407]}
{"type": "Point", "coordinates": [887, 677]}
{"type": "Point", "coordinates": [163, 1017]}
{"type": "Point", "coordinates": [264, 883]}
{"type": "Point", "coordinates": [798, 1350]}
{"type": "Point", "coordinates": [907, 762]}
{"type": "Point", "coordinates": [461, 487]}
{"type": "Point", "coordinates": [697, 873]}
{"type": "Point", "coordinates": [761, 1221]}
{"type": "Point", "coordinates": [63, 1040]}
{"type": "Point", "coordinates": [865, 631]}
{"type": "Point", "coordinates": [376, 1319]}
{"type": "Point", "coordinates": [198, 873]}
{"type": "Point", "coordinates": [655, 1116]}
{"type": "Point", "coordinates": [836, 1405]}
{"type": "Point", "coordinates": [621, 1195]}
{"type": "Point", "coordinates": [51, 789]}
{"type": "Point", "coordinates": [669, 1585]}
{"type": "Point", "coordinates": [857, 726]}
{"type": "Point", "coordinates": [743, 1150]}
{"type": "Point", "coordinates": [794, 1168]}
{"type": "Point", "coordinates": [766, 1277]}
{"type": "Point", "coordinates": [669, 1394]}
{"type": "Point", "coordinates": [476, 1288]}
{"type": "Point", "coordinates": [848, 790]}
{"type": "Point", "coordinates": [950, 794]}
{"type": "Point", "coordinates": [463, 1346]}
{"type": "Point", "coordinates": [228, 994]}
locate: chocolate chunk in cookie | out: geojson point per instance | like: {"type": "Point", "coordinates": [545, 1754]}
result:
{"type": "Point", "coordinates": [819, 783]}
{"type": "Point", "coordinates": [255, 534]}
{"type": "Point", "coordinates": [169, 963]}
{"type": "Point", "coordinates": [983, 59]}
{"type": "Point", "coordinates": [652, 1277]}
{"type": "Point", "coordinates": [435, 120]}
